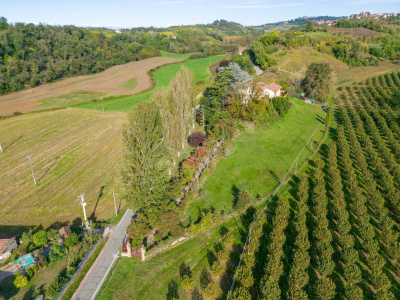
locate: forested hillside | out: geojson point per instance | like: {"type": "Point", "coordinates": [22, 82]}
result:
{"type": "Point", "coordinates": [34, 54]}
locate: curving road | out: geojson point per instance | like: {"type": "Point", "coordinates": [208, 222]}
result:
{"type": "Point", "coordinates": [97, 274]}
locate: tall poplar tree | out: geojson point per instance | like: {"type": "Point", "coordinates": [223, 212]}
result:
{"type": "Point", "coordinates": [143, 172]}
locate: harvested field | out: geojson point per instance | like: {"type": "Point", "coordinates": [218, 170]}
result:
{"type": "Point", "coordinates": [303, 57]}
{"type": "Point", "coordinates": [127, 79]}
{"type": "Point", "coordinates": [73, 152]}
{"type": "Point", "coordinates": [355, 31]}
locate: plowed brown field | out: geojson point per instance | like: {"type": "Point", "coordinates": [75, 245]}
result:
{"type": "Point", "coordinates": [108, 82]}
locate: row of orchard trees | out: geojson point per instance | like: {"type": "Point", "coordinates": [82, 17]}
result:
{"type": "Point", "coordinates": [344, 239]}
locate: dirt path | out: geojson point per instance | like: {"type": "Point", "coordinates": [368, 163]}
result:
{"type": "Point", "coordinates": [108, 82]}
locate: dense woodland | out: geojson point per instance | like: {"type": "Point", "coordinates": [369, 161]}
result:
{"type": "Point", "coordinates": [34, 54]}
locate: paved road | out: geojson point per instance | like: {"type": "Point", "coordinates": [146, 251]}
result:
{"type": "Point", "coordinates": [8, 271]}
{"type": "Point", "coordinates": [90, 286]}
{"type": "Point", "coordinates": [258, 70]}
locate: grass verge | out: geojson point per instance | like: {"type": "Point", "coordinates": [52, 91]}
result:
{"type": "Point", "coordinates": [262, 158]}
{"type": "Point", "coordinates": [83, 271]}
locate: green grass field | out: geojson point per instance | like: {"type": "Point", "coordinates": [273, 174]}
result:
{"type": "Point", "coordinates": [161, 77]}
{"type": "Point", "coordinates": [73, 98]}
{"type": "Point", "coordinates": [130, 84]}
{"type": "Point", "coordinates": [262, 158]}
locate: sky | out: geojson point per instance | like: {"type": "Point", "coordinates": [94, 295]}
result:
{"type": "Point", "coordinates": [164, 13]}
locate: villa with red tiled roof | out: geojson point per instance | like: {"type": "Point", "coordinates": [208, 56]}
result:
{"type": "Point", "coordinates": [271, 90]}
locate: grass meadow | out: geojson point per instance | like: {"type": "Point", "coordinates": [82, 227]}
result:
{"type": "Point", "coordinates": [263, 156]}
{"type": "Point", "coordinates": [296, 61]}
{"type": "Point", "coordinates": [161, 77]}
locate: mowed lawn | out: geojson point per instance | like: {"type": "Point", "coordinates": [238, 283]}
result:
{"type": "Point", "coordinates": [263, 157]}
{"type": "Point", "coordinates": [73, 151]}
{"type": "Point", "coordinates": [134, 279]}
{"type": "Point", "coordinates": [161, 77]}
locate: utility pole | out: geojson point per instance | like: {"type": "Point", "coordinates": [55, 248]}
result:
{"type": "Point", "coordinates": [1, 149]}
{"type": "Point", "coordinates": [194, 114]}
{"type": "Point", "coordinates": [102, 105]}
{"type": "Point", "coordinates": [115, 203]}
{"type": "Point", "coordinates": [30, 162]}
{"type": "Point", "coordinates": [204, 125]}
{"type": "Point", "coordinates": [83, 203]}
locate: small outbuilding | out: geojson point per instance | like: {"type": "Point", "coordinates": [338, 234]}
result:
{"type": "Point", "coordinates": [65, 232]}
{"type": "Point", "coordinates": [7, 246]}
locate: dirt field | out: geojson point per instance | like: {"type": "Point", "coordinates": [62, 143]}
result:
{"type": "Point", "coordinates": [113, 81]}
{"type": "Point", "coordinates": [355, 31]}
{"type": "Point", "coordinates": [73, 152]}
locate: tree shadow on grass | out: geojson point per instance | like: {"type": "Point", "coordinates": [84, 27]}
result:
{"type": "Point", "coordinates": [29, 293]}
{"type": "Point", "coordinates": [184, 269]}
{"type": "Point", "coordinates": [196, 294]}
{"type": "Point", "coordinates": [92, 216]}
{"type": "Point", "coordinates": [172, 290]}
{"type": "Point", "coordinates": [12, 143]}
{"type": "Point", "coordinates": [48, 169]}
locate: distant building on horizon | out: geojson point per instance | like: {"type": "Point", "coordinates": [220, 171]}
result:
{"type": "Point", "coordinates": [241, 50]}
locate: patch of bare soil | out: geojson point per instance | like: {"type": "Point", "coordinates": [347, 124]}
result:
{"type": "Point", "coordinates": [108, 82]}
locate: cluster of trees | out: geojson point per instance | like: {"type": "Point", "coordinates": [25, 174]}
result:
{"type": "Point", "coordinates": [34, 54]}
{"type": "Point", "coordinates": [318, 81]}
{"type": "Point", "coordinates": [154, 138]}
{"type": "Point", "coordinates": [261, 50]}
{"type": "Point", "coordinates": [229, 96]}
{"type": "Point", "coordinates": [370, 23]}
{"type": "Point", "coordinates": [72, 249]}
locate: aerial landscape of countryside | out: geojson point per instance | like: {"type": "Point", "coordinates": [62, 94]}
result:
{"type": "Point", "coordinates": [168, 152]}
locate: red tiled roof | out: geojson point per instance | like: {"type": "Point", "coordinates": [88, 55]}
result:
{"type": "Point", "coordinates": [3, 245]}
{"type": "Point", "coordinates": [65, 232]}
{"type": "Point", "coordinates": [273, 87]}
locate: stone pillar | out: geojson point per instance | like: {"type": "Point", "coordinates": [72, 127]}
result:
{"type": "Point", "coordinates": [129, 250]}
{"type": "Point", "coordinates": [143, 251]}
